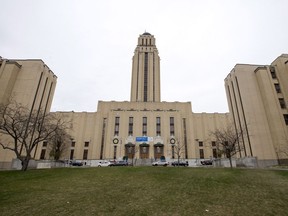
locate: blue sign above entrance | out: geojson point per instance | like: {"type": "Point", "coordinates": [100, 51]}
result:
{"type": "Point", "coordinates": [141, 139]}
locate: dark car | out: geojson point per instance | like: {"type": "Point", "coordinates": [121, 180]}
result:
{"type": "Point", "coordinates": [119, 163]}
{"type": "Point", "coordinates": [207, 162]}
{"type": "Point", "coordinates": [180, 163]}
{"type": "Point", "coordinates": [76, 163]}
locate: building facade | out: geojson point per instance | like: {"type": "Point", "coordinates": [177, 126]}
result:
{"type": "Point", "coordinates": [257, 98]}
{"type": "Point", "coordinates": [27, 82]}
{"type": "Point", "coordinates": [147, 129]}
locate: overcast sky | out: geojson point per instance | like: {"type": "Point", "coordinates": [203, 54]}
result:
{"type": "Point", "coordinates": [89, 44]}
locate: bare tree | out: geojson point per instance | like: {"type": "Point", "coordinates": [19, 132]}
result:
{"type": "Point", "coordinates": [22, 129]}
{"type": "Point", "coordinates": [178, 148]}
{"type": "Point", "coordinates": [282, 151]}
{"type": "Point", "coordinates": [59, 143]}
{"type": "Point", "coordinates": [229, 141]}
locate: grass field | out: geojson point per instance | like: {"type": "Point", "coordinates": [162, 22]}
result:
{"type": "Point", "coordinates": [144, 191]}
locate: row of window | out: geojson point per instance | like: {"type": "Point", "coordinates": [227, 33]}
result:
{"type": "Point", "coordinates": [85, 154]}
{"type": "Point", "coordinates": [144, 126]}
{"type": "Point", "coordinates": [201, 150]}
{"type": "Point", "coordinates": [278, 90]}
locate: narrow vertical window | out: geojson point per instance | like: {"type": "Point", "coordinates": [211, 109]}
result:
{"type": "Point", "coordinates": [117, 125]}
{"type": "Point", "coordinates": [201, 152]}
{"type": "Point", "coordinates": [103, 137]}
{"type": "Point", "coordinates": [273, 72]}
{"type": "Point", "coordinates": [146, 77]}
{"type": "Point", "coordinates": [85, 154]}
{"type": "Point", "coordinates": [71, 154]}
{"type": "Point", "coordinates": [158, 126]}
{"type": "Point", "coordinates": [144, 126]}
{"type": "Point", "coordinates": [282, 103]}
{"type": "Point", "coordinates": [277, 88]}
{"type": "Point", "coordinates": [43, 152]}
{"type": "Point", "coordinates": [286, 118]}
{"type": "Point", "coordinates": [214, 153]}
{"type": "Point", "coordinates": [130, 127]}
{"type": "Point", "coordinates": [115, 152]}
{"type": "Point", "coordinates": [172, 132]}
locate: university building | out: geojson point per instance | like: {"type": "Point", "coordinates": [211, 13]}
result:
{"type": "Point", "coordinates": [28, 82]}
{"type": "Point", "coordinates": [147, 129]}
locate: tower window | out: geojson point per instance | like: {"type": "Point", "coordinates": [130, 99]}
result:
{"type": "Point", "coordinates": [146, 77]}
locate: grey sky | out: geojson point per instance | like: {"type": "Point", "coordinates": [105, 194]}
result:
{"type": "Point", "coordinates": [89, 44]}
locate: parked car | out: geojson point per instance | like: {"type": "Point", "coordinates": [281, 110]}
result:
{"type": "Point", "coordinates": [180, 163]}
{"type": "Point", "coordinates": [160, 163]}
{"type": "Point", "coordinates": [76, 163]}
{"type": "Point", "coordinates": [207, 162]}
{"type": "Point", "coordinates": [120, 163]}
{"type": "Point", "coordinates": [104, 163]}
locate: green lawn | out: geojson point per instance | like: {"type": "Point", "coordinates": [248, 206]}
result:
{"type": "Point", "coordinates": [144, 191]}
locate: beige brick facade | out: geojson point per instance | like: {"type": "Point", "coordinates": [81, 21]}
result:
{"type": "Point", "coordinates": [257, 98]}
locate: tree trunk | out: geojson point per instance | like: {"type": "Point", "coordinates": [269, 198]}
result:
{"type": "Point", "coordinates": [25, 163]}
{"type": "Point", "coordinates": [230, 160]}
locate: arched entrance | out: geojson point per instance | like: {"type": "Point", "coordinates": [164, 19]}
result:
{"type": "Point", "coordinates": [144, 150]}
{"type": "Point", "coordinates": [158, 150]}
{"type": "Point", "coordinates": [130, 150]}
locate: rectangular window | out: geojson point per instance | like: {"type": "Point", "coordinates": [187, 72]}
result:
{"type": "Point", "coordinates": [73, 144]}
{"type": "Point", "coordinates": [200, 144]}
{"type": "Point", "coordinates": [146, 77]}
{"type": "Point", "coordinates": [286, 118]}
{"type": "Point", "coordinates": [71, 154]}
{"type": "Point", "coordinates": [144, 126]}
{"type": "Point", "coordinates": [115, 152]}
{"type": "Point", "coordinates": [201, 153]}
{"type": "Point", "coordinates": [214, 153]}
{"type": "Point", "coordinates": [116, 128]}
{"type": "Point", "coordinates": [158, 126]}
{"type": "Point", "coordinates": [282, 103]}
{"type": "Point", "coordinates": [273, 72]}
{"type": "Point", "coordinates": [43, 152]}
{"type": "Point", "coordinates": [85, 154]}
{"type": "Point", "coordinates": [44, 144]}
{"type": "Point", "coordinates": [86, 144]}
{"type": "Point", "coordinates": [213, 143]}
{"type": "Point", "coordinates": [277, 88]}
{"type": "Point", "coordinates": [130, 127]}
{"type": "Point", "coordinates": [172, 132]}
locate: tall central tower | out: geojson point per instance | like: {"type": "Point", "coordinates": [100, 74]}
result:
{"type": "Point", "coordinates": [145, 86]}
